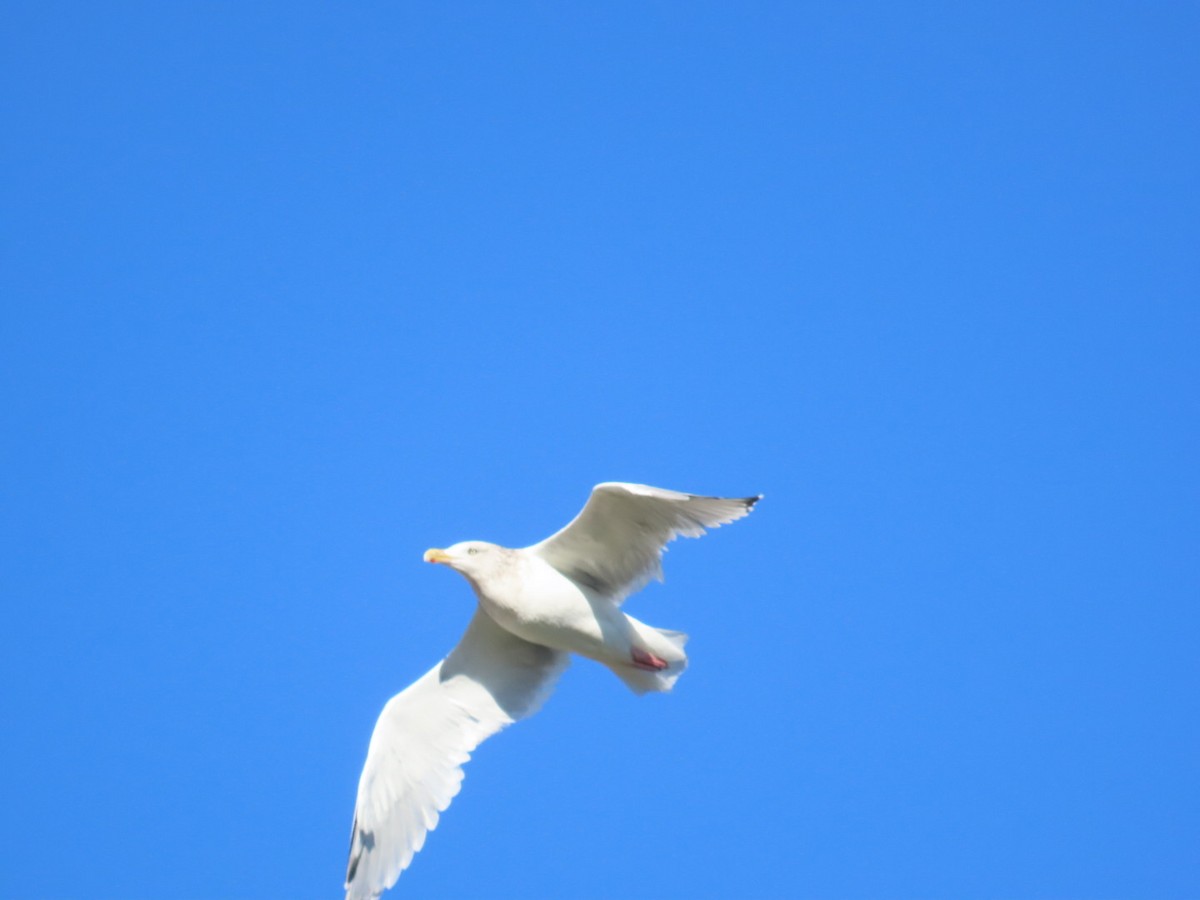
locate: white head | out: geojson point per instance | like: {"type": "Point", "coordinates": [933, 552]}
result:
{"type": "Point", "coordinates": [477, 560]}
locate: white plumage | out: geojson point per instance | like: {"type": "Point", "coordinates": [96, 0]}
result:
{"type": "Point", "coordinates": [536, 606]}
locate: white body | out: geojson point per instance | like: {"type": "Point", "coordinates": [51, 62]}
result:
{"type": "Point", "coordinates": [533, 600]}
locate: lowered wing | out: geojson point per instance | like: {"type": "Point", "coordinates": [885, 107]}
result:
{"type": "Point", "coordinates": [425, 734]}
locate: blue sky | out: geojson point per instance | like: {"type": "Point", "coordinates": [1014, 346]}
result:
{"type": "Point", "coordinates": [295, 291]}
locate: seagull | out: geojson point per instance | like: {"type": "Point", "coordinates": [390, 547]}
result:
{"type": "Point", "coordinates": [536, 606]}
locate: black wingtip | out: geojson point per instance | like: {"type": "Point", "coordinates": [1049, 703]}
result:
{"type": "Point", "coordinates": [365, 841]}
{"type": "Point", "coordinates": [352, 865]}
{"type": "Point", "coordinates": [750, 501]}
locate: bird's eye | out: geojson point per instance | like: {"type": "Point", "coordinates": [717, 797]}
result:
{"type": "Point", "coordinates": [471, 551]}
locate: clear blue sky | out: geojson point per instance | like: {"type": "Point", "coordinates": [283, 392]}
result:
{"type": "Point", "coordinates": [293, 291]}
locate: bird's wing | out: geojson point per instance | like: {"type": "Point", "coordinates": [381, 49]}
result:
{"type": "Point", "coordinates": [425, 734]}
{"type": "Point", "coordinates": [615, 544]}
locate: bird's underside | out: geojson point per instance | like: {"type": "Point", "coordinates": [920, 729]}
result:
{"type": "Point", "coordinates": [537, 605]}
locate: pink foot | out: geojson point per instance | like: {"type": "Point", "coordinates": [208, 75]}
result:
{"type": "Point", "coordinates": [648, 661]}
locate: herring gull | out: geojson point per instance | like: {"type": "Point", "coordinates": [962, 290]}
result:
{"type": "Point", "coordinates": [536, 606]}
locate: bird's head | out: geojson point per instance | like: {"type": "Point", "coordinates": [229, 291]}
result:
{"type": "Point", "coordinates": [475, 559]}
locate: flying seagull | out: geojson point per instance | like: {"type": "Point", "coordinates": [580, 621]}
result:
{"type": "Point", "coordinates": [537, 605]}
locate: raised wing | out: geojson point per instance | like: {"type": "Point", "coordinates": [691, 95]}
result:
{"type": "Point", "coordinates": [615, 544]}
{"type": "Point", "coordinates": [425, 734]}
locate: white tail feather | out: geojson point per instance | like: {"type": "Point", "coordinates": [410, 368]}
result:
{"type": "Point", "coordinates": [668, 646]}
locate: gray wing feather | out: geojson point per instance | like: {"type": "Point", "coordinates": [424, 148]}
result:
{"type": "Point", "coordinates": [424, 736]}
{"type": "Point", "coordinates": [615, 544]}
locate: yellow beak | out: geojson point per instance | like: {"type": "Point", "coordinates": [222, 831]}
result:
{"type": "Point", "coordinates": [434, 555]}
